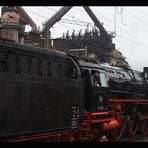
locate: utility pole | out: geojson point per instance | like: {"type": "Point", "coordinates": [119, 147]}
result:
{"type": "Point", "coordinates": [46, 37]}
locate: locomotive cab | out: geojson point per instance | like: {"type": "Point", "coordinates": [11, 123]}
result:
{"type": "Point", "coordinates": [100, 92]}
{"type": "Point", "coordinates": [96, 94]}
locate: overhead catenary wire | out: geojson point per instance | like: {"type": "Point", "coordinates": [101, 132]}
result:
{"type": "Point", "coordinates": [47, 18]}
{"type": "Point", "coordinates": [63, 20]}
{"type": "Point", "coordinates": [130, 40]}
{"type": "Point", "coordinates": [129, 13]}
{"type": "Point", "coordinates": [117, 22]}
{"type": "Point", "coordinates": [146, 14]}
{"type": "Point", "coordinates": [76, 19]}
{"type": "Point", "coordinates": [74, 29]}
{"type": "Point", "coordinates": [127, 25]}
{"type": "Point", "coordinates": [65, 14]}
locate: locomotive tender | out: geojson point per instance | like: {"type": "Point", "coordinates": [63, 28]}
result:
{"type": "Point", "coordinates": [48, 95]}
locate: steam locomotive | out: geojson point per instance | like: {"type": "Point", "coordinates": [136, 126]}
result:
{"type": "Point", "coordinates": [48, 95]}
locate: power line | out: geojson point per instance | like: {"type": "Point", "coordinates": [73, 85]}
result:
{"type": "Point", "coordinates": [127, 25]}
{"type": "Point", "coordinates": [81, 23]}
{"type": "Point", "coordinates": [136, 17]}
{"type": "Point", "coordinates": [73, 29]}
{"type": "Point", "coordinates": [140, 29]}
{"type": "Point", "coordinates": [36, 14]}
{"type": "Point", "coordinates": [132, 41]}
{"type": "Point", "coordinates": [47, 18]}
{"type": "Point", "coordinates": [70, 21]}
{"type": "Point", "coordinates": [79, 20]}
{"type": "Point", "coordinates": [141, 11]}
{"type": "Point", "coordinates": [57, 11]}
{"type": "Point", "coordinates": [45, 10]}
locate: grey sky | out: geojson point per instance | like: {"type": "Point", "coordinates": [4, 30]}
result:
{"type": "Point", "coordinates": [130, 25]}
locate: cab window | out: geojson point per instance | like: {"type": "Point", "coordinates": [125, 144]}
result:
{"type": "Point", "coordinates": [103, 79]}
{"type": "Point", "coordinates": [99, 78]}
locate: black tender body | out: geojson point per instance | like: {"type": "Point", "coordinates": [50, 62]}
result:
{"type": "Point", "coordinates": [41, 90]}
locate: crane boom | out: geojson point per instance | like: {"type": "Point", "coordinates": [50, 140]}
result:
{"type": "Point", "coordinates": [55, 18]}
{"type": "Point", "coordinates": [27, 17]}
{"type": "Point", "coordinates": [97, 22]}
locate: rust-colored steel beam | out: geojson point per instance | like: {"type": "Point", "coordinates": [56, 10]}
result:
{"type": "Point", "coordinates": [56, 17]}
{"type": "Point", "coordinates": [27, 17]}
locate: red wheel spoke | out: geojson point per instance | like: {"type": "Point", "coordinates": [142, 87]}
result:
{"type": "Point", "coordinates": [117, 133]}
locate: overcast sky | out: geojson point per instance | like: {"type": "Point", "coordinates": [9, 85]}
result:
{"type": "Point", "coordinates": [129, 23]}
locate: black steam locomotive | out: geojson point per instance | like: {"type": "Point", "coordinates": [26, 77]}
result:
{"type": "Point", "coordinates": [50, 95]}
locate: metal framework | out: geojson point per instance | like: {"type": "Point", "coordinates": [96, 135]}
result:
{"type": "Point", "coordinates": [55, 18]}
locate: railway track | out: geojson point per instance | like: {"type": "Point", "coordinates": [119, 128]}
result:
{"type": "Point", "coordinates": [137, 138]}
